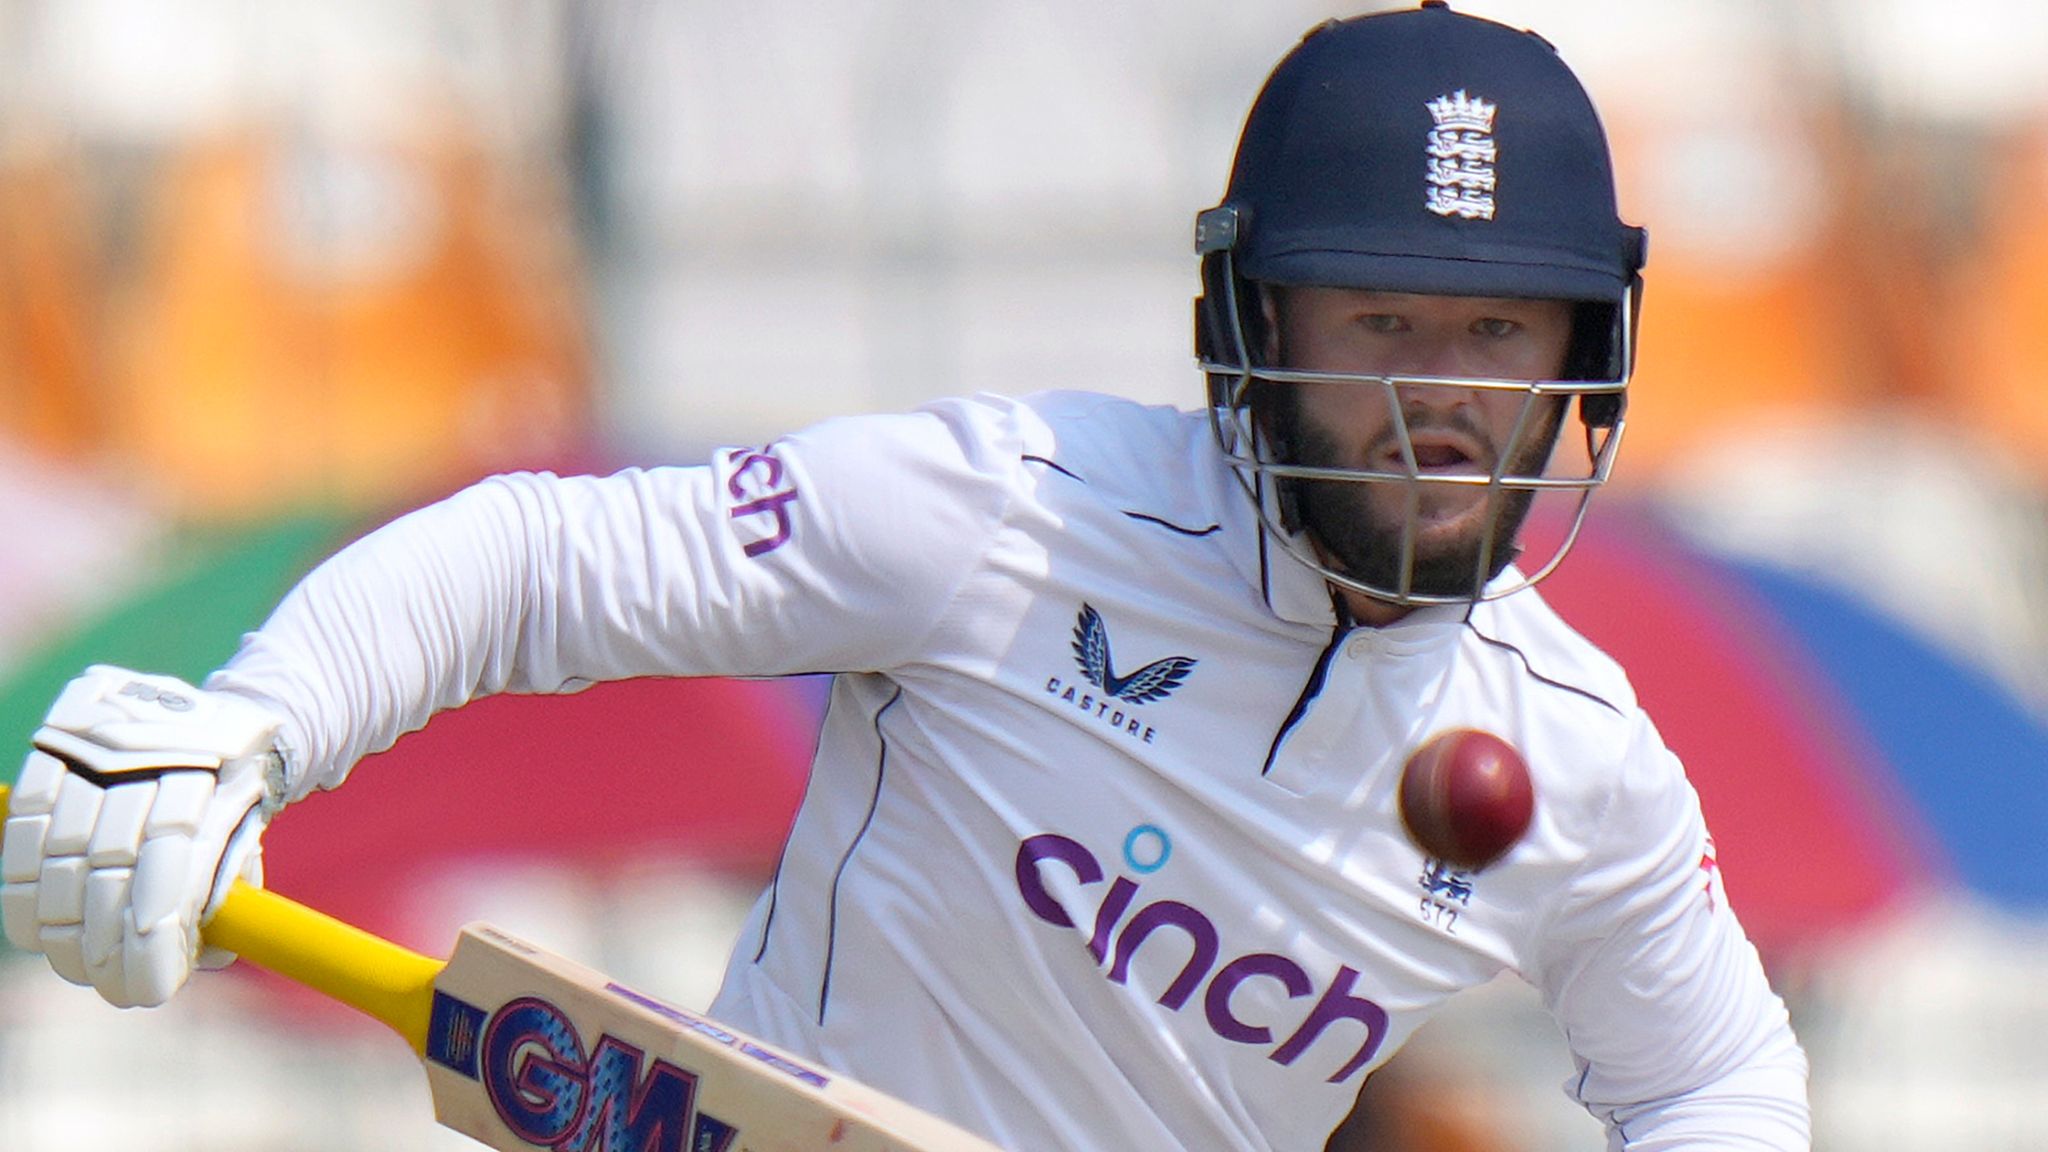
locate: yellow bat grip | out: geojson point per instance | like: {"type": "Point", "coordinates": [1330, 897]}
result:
{"type": "Point", "coordinates": [369, 973]}
{"type": "Point", "coordinates": [336, 959]}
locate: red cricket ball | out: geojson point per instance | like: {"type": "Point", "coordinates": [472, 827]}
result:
{"type": "Point", "coordinates": [1466, 797]}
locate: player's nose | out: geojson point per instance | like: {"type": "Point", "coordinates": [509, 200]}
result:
{"type": "Point", "coordinates": [1430, 384]}
{"type": "Point", "coordinates": [1438, 352]}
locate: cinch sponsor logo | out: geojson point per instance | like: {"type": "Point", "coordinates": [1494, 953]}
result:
{"type": "Point", "coordinates": [551, 1092]}
{"type": "Point", "coordinates": [760, 512]}
{"type": "Point", "coordinates": [1123, 923]}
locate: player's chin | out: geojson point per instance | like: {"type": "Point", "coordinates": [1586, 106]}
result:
{"type": "Point", "coordinates": [1453, 520]}
{"type": "Point", "coordinates": [1450, 542]}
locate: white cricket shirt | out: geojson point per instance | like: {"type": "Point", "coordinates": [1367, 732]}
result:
{"type": "Point", "coordinates": [1101, 848]}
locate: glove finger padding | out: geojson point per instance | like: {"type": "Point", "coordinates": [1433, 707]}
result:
{"type": "Point", "coordinates": [144, 799]}
{"type": "Point", "coordinates": [242, 861]}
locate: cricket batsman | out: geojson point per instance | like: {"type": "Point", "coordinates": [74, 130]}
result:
{"type": "Point", "coordinates": [1101, 849]}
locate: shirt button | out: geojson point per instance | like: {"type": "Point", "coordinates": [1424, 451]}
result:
{"type": "Point", "coordinates": [1357, 647]}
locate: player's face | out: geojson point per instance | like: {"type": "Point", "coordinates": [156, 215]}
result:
{"type": "Point", "coordinates": [1452, 429]}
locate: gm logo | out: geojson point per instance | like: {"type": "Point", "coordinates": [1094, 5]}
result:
{"type": "Point", "coordinates": [552, 1092]}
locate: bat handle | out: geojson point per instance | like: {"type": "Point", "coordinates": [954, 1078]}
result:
{"type": "Point", "coordinates": [381, 979]}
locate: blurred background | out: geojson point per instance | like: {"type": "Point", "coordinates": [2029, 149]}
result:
{"type": "Point", "coordinates": [272, 272]}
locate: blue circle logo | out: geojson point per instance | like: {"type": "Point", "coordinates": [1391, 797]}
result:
{"type": "Point", "coordinates": [1147, 849]}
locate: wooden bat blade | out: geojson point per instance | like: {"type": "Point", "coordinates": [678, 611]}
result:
{"type": "Point", "coordinates": [524, 1049]}
{"type": "Point", "coordinates": [528, 1050]}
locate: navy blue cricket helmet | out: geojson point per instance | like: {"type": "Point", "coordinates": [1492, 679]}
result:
{"type": "Point", "coordinates": [1420, 151]}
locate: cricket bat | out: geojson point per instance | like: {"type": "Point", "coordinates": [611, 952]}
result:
{"type": "Point", "coordinates": [524, 1049]}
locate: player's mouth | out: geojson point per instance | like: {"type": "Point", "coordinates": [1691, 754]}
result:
{"type": "Point", "coordinates": [1437, 453]}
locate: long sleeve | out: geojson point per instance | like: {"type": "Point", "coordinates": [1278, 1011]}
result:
{"type": "Point", "coordinates": [834, 549]}
{"type": "Point", "coordinates": [1679, 1039]}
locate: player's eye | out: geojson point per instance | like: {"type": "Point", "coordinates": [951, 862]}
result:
{"type": "Point", "coordinates": [1495, 327]}
{"type": "Point", "coordinates": [1383, 322]}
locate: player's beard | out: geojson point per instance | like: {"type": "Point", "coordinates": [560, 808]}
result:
{"type": "Point", "coordinates": [1358, 526]}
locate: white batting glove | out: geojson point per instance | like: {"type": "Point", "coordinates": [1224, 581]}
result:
{"type": "Point", "coordinates": [143, 801]}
